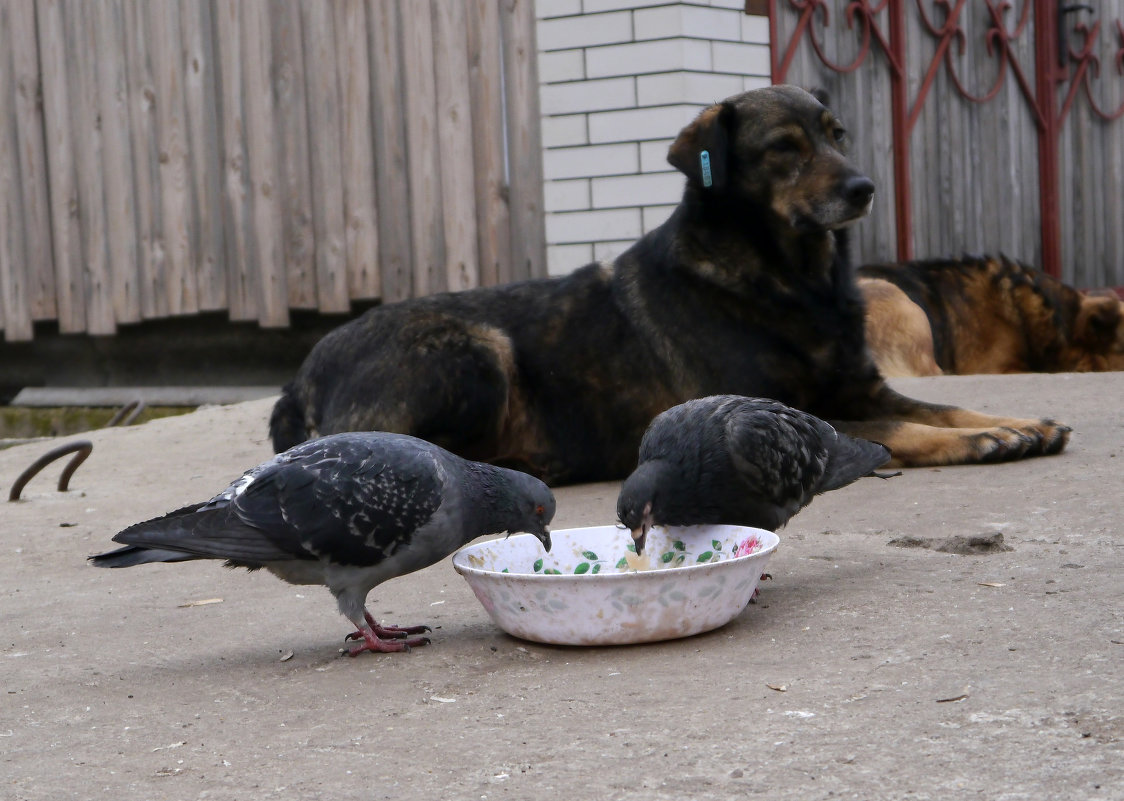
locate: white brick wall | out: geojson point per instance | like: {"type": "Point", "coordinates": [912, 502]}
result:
{"type": "Point", "coordinates": [623, 190]}
{"type": "Point", "coordinates": [593, 226]}
{"type": "Point", "coordinates": [561, 163]}
{"type": "Point", "coordinates": [619, 79]}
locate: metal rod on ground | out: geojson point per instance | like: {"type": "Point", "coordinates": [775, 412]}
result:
{"type": "Point", "coordinates": [80, 448]}
{"type": "Point", "coordinates": [135, 406]}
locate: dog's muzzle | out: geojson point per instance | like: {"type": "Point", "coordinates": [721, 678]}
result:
{"type": "Point", "coordinates": [859, 191]}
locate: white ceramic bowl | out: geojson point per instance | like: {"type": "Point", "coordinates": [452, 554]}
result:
{"type": "Point", "coordinates": [587, 590]}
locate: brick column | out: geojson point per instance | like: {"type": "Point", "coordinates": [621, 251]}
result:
{"type": "Point", "coordinates": [618, 80]}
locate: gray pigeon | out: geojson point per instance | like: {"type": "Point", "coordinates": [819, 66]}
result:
{"type": "Point", "coordinates": [348, 511]}
{"type": "Point", "coordinates": [737, 460]}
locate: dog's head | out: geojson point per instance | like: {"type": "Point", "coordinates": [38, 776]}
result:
{"type": "Point", "coordinates": [780, 148]}
{"type": "Point", "coordinates": [1099, 327]}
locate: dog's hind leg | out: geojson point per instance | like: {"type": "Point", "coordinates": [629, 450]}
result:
{"type": "Point", "coordinates": [898, 332]}
{"type": "Point", "coordinates": [445, 380]}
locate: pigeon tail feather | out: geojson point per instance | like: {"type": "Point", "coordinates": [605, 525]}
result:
{"type": "Point", "coordinates": [849, 460]}
{"type": "Point", "coordinates": [132, 555]}
{"type": "Point", "coordinates": [205, 534]}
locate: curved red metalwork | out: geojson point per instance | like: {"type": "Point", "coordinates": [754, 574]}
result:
{"type": "Point", "coordinates": [997, 39]}
{"type": "Point", "coordinates": [1088, 67]}
{"type": "Point", "coordinates": [998, 42]}
{"type": "Point", "coordinates": [1078, 70]}
{"type": "Point", "coordinates": [857, 8]}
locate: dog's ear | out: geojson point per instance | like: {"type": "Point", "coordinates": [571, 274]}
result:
{"type": "Point", "coordinates": [1098, 321]}
{"type": "Point", "coordinates": [701, 150]}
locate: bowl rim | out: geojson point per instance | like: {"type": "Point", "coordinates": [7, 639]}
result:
{"type": "Point", "coordinates": [460, 558]}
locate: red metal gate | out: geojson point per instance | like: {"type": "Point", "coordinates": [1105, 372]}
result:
{"type": "Point", "coordinates": [1065, 64]}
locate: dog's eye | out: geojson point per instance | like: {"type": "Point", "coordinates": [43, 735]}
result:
{"type": "Point", "coordinates": [839, 133]}
{"type": "Point", "coordinates": [785, 145]}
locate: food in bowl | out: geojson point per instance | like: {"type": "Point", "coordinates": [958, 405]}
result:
{"type": "Point", "coordinates": [593, 589]}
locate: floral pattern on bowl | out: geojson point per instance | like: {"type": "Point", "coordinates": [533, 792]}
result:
{"type": "Point", "coordinates": [592, 588]}
{"type": "Point", "coordinates": [677, 555]}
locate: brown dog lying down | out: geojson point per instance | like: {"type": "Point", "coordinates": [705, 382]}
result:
{"type": "Point", "coordinates": [744, 290]}
{"type": "Point", "coordinates": [986, 315]}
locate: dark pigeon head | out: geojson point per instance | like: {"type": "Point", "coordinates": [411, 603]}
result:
{"type": "Point", "coordinates": [532, 506]}
{"type": "Point", "coordinates": [636, 502]}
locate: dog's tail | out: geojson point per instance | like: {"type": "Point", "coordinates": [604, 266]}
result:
{"type": "Point", "coordinates": [286, 424]}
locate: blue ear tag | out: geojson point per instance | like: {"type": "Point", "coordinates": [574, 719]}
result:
{"type": "Point", "coordinates": [704, 160]}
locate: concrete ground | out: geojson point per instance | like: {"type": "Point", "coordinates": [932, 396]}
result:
{"type": "Point", "coordinates": [866, 670]}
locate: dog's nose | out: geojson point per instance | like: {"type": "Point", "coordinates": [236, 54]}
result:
{"type": "Point", "coordinates": [858, 189]}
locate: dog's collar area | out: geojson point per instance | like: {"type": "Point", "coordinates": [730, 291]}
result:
{"type": "Point", "coordinates": [704, 162]}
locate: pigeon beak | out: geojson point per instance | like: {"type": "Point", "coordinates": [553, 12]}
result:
{"type": "Point", "coordinates": [640, 534]}
{"type": "Point", "coordinates": [544, 538]}
{"type": "Point", "coordinates": [638, 537]}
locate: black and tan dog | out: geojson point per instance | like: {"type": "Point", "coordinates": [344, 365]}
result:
{"type": "Point", "coordinates": [986, 315]}
{"type": "Point", "coordinates": [744, 290]}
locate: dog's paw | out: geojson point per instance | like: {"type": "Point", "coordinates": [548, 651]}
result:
{"type": "Point", "coordinates": [1055, 436]}
{"type": "Point", "coordinates": [1004, 444]}
{"type": "Point", "coordinates": [1021, 438]}
{"type": "Point", "coordinates": [1049, 436]}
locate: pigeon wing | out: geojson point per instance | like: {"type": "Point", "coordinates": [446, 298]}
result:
{"type": "Point", "coordinates": [779, 454]}
{"type": "Point", "coordinates": [348, 499]}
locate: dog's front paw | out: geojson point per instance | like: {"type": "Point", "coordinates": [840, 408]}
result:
{"type": "Point", "coordinates": [1044, 436]}
{"type": "Point", "coordinates": [1052, 436]}
{"type": "Point", "coordinates": [1003, 444]}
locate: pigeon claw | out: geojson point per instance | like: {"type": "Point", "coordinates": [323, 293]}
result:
{"type": "Point", "coordinates": [371, 642]}
{"type": "Point", "coordinates": [385, 639]}
{"type": "Point", "coordinates": [390, 632]}
{"type": "Point", "coordinates": [386, 632]}
{"type": "Point", "coordinates": [399, 632]}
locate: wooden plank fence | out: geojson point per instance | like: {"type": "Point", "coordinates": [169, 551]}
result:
{"type": "Point", "coordinates": [257, 156]}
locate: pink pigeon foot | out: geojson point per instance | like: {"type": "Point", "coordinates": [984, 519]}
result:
{"type": "Point", "coordinates": [371, 642]}
{"type": "Point", "coordinates": [385, 639]}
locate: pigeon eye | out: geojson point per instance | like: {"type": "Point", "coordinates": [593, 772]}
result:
{"type": "Point", "coordinates": [539, 510]}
